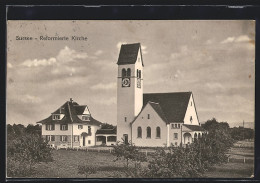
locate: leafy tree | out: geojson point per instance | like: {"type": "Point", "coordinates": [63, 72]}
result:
{"type": "Point", "coordinates": [25, 148]}
{"type": "Point", "coordinates": [31, 129]}
{"type": "Point", "coordinates": [107, 126]}
{"type": "Point", "coordinates": [240, 133]}
{"type": "Point", "coordinates": [128, 152]}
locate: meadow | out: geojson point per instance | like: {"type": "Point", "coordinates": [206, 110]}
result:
{"type": "Point", "coordinates": [66, 162]}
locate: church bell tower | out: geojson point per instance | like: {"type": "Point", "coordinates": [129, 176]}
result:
{"type": "Point", "coordinates": [129, 88]}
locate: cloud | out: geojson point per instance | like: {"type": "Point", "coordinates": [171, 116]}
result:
{"type": "Point", "coordinates": [228, 40]}
{"type": "Point", "coordinates": [41, 62]}
{"type": "Point", "coordinates": [209, 41]}
{"type": "Point", "coordinates": [183, 51]}
{"type": "Point", "coordinates": [214, 86]}
{"type": "Point", "coordinates": [242, 38]}
{"type": "Point", "coordinates": [102, 86]}
{"type": "Point", "coordinates": [144, 51]}
{"type": "Point", "coordinates": [68, 55]}
{"type": "Point", "coordinates": [9, 65]}
{"type": "Point", "coordinates": [30, 99]}
{"type": "Point", "coordinates": [108, 101]}
{"type": "Point", "coordinates": [65, 55]}
{"type": "Point", "coordinates": [98, 52]}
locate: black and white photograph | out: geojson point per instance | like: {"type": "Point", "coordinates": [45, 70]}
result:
{"type": "Point", "coordinates": [130, 99]}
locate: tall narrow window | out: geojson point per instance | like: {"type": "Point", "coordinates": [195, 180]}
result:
{"type": "Point", "coordinates": [125, 119]}
{"type": "Point", "coordinates": [191, 119]}
{"type": "Point", "coordinates": [139, 132]}
{"type": "Point", "coordinates": [89, 129]}
{"type": "Point", "coordinates": [128, 72]}
{"type": "Point", "coordinates": [137, 73]}
{"type": "Point", "coordinates": [158, 132]}
{"type": "Point", "coordinates": [148, 116]}
{"type": "Point", "coordinates": [175, 136]}
{"type": "Point", "coordinates": [123, 73]}
{"type": "Point", "coordinates": [148, 130]}
{"type": "Point", "coordinates": [140, 74]}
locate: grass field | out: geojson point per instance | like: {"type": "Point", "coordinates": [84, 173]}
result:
{"type": "Point", "coordinates": [65, 165]}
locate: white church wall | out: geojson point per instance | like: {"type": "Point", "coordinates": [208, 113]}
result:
{"type": "Point", "coordinates": [191, 112]}
{"type": "Point", "coordinates": [154, 121]}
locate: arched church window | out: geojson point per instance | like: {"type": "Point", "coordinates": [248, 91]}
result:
{"type": "Point", "coordinates": [123, 72]}
{"type": "Point", "coordinates": [128, 72]}
{"type": "Point", "coordinates": [148, 130]}
{"type": "Point", "coordinates": [158, 132]}
{"type": "Point", "coordinates": [139, 132]}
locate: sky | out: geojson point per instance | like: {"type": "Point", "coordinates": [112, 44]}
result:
{"type": "Point", "coordinates": [213, 59]}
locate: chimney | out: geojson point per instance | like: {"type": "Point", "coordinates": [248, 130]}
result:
{"type": "Point", "coordinates": [71, 100]}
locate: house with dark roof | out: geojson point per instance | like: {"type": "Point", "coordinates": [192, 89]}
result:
{"type": "Point", "coordinates": [71, 125]}
{"type": "Point", "coordinates": [151, 119]}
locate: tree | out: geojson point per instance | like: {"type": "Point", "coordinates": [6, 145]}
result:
{"type": "Point", "coordinates": [128, 152]}
{"type": "Point", "coordinates": [107, 126]}
{"type": "Point", "coordinates": [25, 150]}
{"type": "Point", "coordinates": [31, 129]}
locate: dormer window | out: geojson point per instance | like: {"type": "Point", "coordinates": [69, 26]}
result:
{"type": "Point", "coordinates": [56, 117]}
{"type": "Point", "coordinates": [85, 118]}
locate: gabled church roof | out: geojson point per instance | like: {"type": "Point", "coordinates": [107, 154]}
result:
{"type": "Point", "coordinates": [71, 109]}
{"type": "Point", "coordinates": [128, 54]}
{"type": "Point", "coordinates": [172, 105]}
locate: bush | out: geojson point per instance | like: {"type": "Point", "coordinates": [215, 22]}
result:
{"type": "Point", "coordinates": [25, 151]}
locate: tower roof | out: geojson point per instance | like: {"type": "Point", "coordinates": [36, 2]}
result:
{"type": "Point", "coordinates": [128, 54]}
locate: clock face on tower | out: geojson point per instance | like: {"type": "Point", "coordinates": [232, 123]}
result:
{"type": "Point", "coordinates": [125, 82]}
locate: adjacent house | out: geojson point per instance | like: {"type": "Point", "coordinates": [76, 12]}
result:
{"type": "Point", "coordinates": [71, 125]}
{"type": "Point", "coordinates": [152, 119]}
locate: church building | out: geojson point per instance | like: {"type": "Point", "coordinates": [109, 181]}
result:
{"type": "Point", "coordinates": [151, 119]}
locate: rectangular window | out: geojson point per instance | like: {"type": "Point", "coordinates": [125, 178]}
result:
{"type": "Point", "coordinates": [175, 136]}
{"type": "Point", "coordinates": [179, 125]}
{"type": "Point", "coordinates": [172, 126]}
{"type": "Point", "coordinates": [89, 141]}
{"type": "Point", "coordinates": [89, 129]}
{"type": "Point", "coordinates": [50, 127]}
{"type": "Point", "coordinates": [148, 116]}
{"type": "Point", "coordinates": [85, 118]}
{"type": "Point", "coordinates": [80, 126]}
{"type": "Point", "coordinates": [50, 137]}
{"type": "Point", "coordinates": [175, 125]}
{"type": "Point", "coordinates": [56, 117]}
{"type": "Point", "coordinates": [63, 138]}
{"type": "Point", "coordinates": [76, 138]}
{"type": "Point", "coordinates": [63, 127]}
{"type": "Point", "coordinates": [125, 119]}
